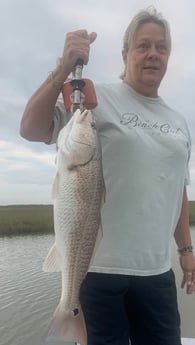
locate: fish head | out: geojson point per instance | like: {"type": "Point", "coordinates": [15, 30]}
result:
{"type": "Point", "coordinates": [84, 129]}
{"type": "Point", "coordinates": [78, 139]}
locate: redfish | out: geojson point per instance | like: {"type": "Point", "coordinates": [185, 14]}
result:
{"type": "Point", "coordinates": [78, 193]}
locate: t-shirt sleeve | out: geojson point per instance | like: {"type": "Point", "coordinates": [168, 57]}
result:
{"type": "Point", "coordinates": [61, 117]}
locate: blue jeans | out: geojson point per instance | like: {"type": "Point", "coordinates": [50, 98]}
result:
{"type": "Point", "coordinates": [136, 310]}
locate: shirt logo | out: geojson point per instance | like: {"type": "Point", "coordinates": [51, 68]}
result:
{"type": "Point", "coordinates": [132, 120]}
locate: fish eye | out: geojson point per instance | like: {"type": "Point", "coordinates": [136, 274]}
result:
{"type": "Point", "coordinates": [93, 125]}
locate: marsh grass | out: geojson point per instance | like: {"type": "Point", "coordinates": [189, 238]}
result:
{"type": "Point", "coordinates": [192, 212]}
{"type": "Point", "coordinates": [26, 219]}
{"type": "Point", "coordinates": [38, 219]}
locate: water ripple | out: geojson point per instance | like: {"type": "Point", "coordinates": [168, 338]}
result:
{"type": "Point", "coordinates": [28, 296]}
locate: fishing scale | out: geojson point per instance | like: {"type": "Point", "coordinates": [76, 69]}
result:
{"type": "Point", "coordinates": [79, 92]}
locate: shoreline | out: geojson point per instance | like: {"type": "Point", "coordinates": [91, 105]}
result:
{"type": "Point", "coordinates": [24, 220]}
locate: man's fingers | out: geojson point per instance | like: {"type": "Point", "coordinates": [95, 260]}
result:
{"type": "Point", "coordinates": [92, 37]}
{"type": "Point", "coordinates": [84, 34]}
{"type": "Point", "coordinates": [189, 281]}
{"type": "Point", "coordinates": [183, 282]}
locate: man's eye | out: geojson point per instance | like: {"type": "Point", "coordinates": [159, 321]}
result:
{"type": "Point", "coordinates": [162, 48]}
{"type": "Point", "coordinates": [143, 45]}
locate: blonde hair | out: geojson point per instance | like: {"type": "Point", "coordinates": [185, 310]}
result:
{"type": "Point", "coordinates": [149, 15]}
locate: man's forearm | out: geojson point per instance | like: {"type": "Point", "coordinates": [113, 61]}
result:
{"type": "Point", "coordinates": [182, 232]}
{"type": "Point", "coordinates": [37, 120]}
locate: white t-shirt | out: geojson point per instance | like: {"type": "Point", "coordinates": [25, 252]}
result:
{"type": "Point", "coordinates": [145, 150]}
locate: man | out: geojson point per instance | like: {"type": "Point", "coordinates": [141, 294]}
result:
{"type": "Point", "coordinates": [130, 292]}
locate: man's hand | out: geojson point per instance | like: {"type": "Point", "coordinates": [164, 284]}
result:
{"type": "Point", "coordinates": [77, 46]}
{"type": "Point", "coordinates": [187, 262]}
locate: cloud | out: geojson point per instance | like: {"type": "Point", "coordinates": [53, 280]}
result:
{"type": "Point", "coordinates": [21, 165]}
{"type": "Point", "coordinates": [29, 47]}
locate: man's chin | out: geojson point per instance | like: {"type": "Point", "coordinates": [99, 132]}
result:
{"type": "Point", "coordinates": [152, 82]}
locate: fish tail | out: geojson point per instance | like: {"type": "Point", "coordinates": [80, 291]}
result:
{"type": "Point", "coordinates": [68, 326]}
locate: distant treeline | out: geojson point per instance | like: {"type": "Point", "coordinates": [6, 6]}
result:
{"type": "Point", "coordinates": [38, 219]}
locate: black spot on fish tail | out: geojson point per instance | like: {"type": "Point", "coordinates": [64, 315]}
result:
{"type": "Point", "coordinates": [75, 312]}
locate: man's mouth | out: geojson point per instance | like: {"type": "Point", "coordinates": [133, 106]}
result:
{"type": "Point", "coordinates": [154, 68]}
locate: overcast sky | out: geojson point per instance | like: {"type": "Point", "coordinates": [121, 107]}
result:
{"type": "Point", "coordinates": [32, 34]}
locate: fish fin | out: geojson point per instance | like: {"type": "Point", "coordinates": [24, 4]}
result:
{"type": "Point", "coordinates": [97, 242]}
{"type": "Point", "coordinates": [56, 186]}
{"type": "Point", "coordinates": [53, 261]}
{"type": "Point", "coordinates": [67, 327]}
{"type": "Point", "coordinates": [103, 194]}
{"type": "Point", "coordinates": [99, 237]}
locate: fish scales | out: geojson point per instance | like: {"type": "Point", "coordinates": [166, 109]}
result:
{"type": "Point", "coordinates": [78, 193]}
{"type": "Point", "coordinates": [79, 215]}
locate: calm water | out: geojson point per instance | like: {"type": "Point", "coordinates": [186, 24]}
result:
{"type": "Point", "coordinates": [29, 296]}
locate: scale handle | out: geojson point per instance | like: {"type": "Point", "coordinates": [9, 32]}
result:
{"type": "Point", "coordinates": [77, 73]}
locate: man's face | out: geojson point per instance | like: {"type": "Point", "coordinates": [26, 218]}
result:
{"type": "Point", "coordinates": [146, 60]}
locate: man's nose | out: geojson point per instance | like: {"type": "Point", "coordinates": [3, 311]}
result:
{"type": "Point", "coordinates": [153, 53]}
